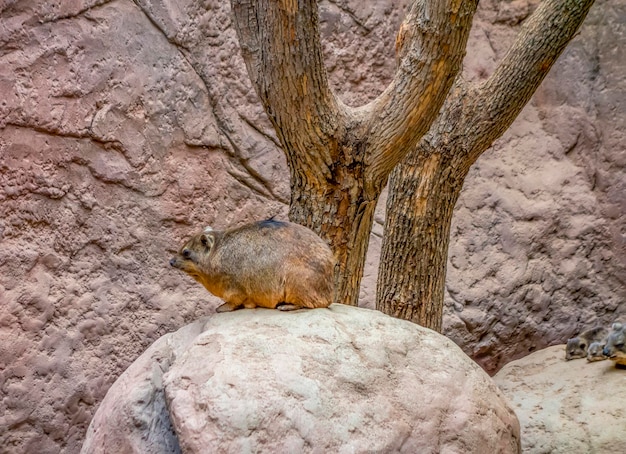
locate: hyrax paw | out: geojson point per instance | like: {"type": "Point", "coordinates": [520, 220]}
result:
{"type": "Point", "coordinates": [288, 307]}
{"type": "Point", "coordinates": [225, 308]}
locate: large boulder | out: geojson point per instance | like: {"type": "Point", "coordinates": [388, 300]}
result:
{"type": "Point", "coordinates": [341, 379]}
{"type": "Point", "coordinates": [566, 406]}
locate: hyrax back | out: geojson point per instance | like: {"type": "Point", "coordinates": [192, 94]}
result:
{"type": "Point", "coordinates": [577, 346]}
{"type": "Point", "coordinates": [270, 263]}
{"type": "Point", "coordinates": [615, 348]}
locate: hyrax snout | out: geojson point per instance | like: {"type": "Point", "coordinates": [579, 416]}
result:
{"type": "Point", "coordinates": [272, 264]}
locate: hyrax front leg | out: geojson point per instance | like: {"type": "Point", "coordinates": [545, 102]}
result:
{"type": "Point", "coordinates": [233, 300]}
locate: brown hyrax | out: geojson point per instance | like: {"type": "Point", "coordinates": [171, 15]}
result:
{"type": "Point", "coordinates": [273, 264]}
{"type": "Point", "coordinates": [577, 346]}
{"type": "Point", "coordinates": [594, 352]}
{"type": "Point", "coordinates": [615, 347]}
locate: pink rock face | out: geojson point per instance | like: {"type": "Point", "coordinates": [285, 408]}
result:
{"type": "Point", "coordinates": [566, 406]}
{"type": "Point", "coordinates": [125, 126]}
{"type": "Point", "coordinates": [341, 379]}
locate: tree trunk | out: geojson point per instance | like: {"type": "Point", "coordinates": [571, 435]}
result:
{"type": "Point", "coordinates": [426, 185]}
{"type": "Point", "coordinates": [343, 215]}
{"type": "Point", "coordinates": [340, 157]}
{"type": "Point", "coordinates": [423, 193]}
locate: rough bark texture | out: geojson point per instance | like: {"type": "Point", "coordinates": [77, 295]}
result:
{"type": "Point", "coordinates": [425, 187]}
{"type": "Point", "coordinates": [340, 157]}
{"type": "Point", "coordinates": [416, 239]}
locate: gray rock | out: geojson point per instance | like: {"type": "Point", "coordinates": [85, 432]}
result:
{"type": "Point", "coordinates": [133, 417]}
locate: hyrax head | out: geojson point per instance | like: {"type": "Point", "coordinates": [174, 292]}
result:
{"type": "Point", "coordinates": [576, 348]}
{"type": "Point", "coordinates": [194, 253]}
{"type": "Point", "coordinates": [594, 352]}
{"type": "Point", "coordinates": [615, 347]}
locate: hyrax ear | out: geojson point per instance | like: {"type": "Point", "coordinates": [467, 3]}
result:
{"type": "Point", "coordinates": [207, 239]}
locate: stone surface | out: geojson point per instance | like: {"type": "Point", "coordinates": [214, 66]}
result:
{"type": "Point", "coordinates": [133, 416]}
{"type": "Point", "coordinates": [342, 379]}
{"type": "Point", "coordinates": [126, 125]}
{"type": "Point", "coordinates": [566, 406]}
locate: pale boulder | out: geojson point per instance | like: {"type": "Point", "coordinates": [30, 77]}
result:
{"type": "Point", "coordinates": [339, 380]}
{"type": "Point", "coordinates": [566, 406]}
{"type": "Point", "coordinates": [133, 416]}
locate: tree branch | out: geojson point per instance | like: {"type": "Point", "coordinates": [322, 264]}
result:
{"type": "Point", "coordinates": [430, 47]}
{"type": "Point", "coordinates": [424, 188]}
{"type": "Point", "coordinates": [281, 47]}
{"type": "Point", "coordinates": [474, 117]}
{"type": "Point", "coordinates": [541, 40]}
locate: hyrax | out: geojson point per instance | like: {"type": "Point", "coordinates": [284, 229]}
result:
{"type": "Point", "coordinates": [577, 346]}
{"type": "Point", "coordinates": [594, 352]}
{"type": "Point", "coordinates": [273, 264]}
{"type": "Point", "coordinates": [615, 347]}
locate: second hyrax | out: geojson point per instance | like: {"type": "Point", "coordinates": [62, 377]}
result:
{"type": "Point", "coordinates": [273, 264]}
{"type": "Point", "coordinates": [577, 346]}
{"type": "Point", "coordinates": [595, 352]}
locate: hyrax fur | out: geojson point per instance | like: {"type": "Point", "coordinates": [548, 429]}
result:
{"type": "Point", "coordinates": [272, 264]}
{"type": "Point", "coordinates": [577, 346]}
{"type": "Point", "coordinates": [615, 347]}
{"type": "Point", "coordinates": [594, 352]}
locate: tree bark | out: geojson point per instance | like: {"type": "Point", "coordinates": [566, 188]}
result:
{"type": "Point", "coordinates": [420, 218]}
{"type": "Point", "coordinates": [425, 187]}
{"type": "Point", "coordinates": [340, 157]}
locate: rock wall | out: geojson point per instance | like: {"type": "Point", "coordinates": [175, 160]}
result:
{"type": "Point", "coordinates": [538, 239]}
{"type": "Point", "coordinates": [538, 248]}
{"type": "Point", "coordinates": [125, 125]}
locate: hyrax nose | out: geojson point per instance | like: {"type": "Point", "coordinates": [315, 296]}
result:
{"type": "Point", "coordinates": [605, 351]}
{"type": "Point", "coordinates": [173, 261]}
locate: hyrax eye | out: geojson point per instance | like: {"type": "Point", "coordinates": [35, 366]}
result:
{"type": "Point", "coordinates": [583, 345]}
{"type": "Point", "coordinates": [186, 253]}
{"type": "Point", "coordinates": [206, 241]}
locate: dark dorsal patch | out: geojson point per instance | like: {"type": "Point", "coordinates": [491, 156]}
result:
{"type": "Point", "coordinates": [271, 223]}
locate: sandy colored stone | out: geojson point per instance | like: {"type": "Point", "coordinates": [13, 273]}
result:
{"type": "Point", "coordinates": [133, 417]}
{"type": "Point", "coordinates": [340, 380]}
{"type": "Point", "coordinates": [566, 406]}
